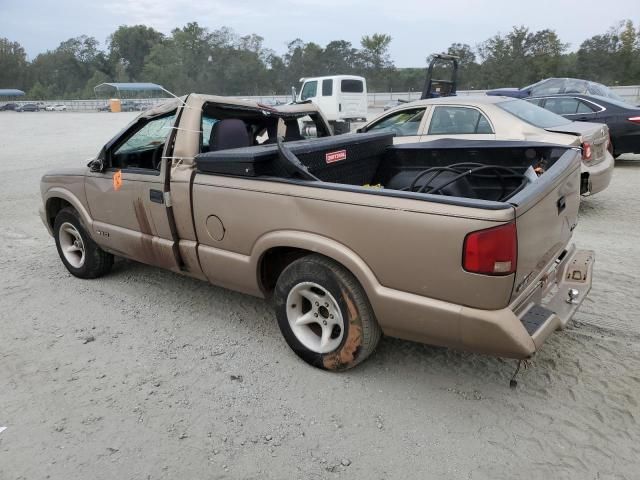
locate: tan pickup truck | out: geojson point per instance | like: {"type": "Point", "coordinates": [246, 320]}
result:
{"type": "Point", "coordinates": [456, 243]}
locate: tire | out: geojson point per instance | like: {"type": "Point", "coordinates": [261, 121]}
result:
{"type": "Point", "coordinates": [78, 252]}
{"type": "Point", "coordinates": [341, 301]}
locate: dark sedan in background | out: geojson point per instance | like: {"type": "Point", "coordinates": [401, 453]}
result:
{"type": "Point", "coordinates": [28, 107]}
{"type": "Point", "coordinates": [9, 106]}
{"type": "Point", "coordinates": [622, 118]}
{"type": "Point", "coordinates": [555, 86]}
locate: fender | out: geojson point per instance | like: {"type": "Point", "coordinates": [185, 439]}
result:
{"type": "Point", "coordinates": [64, 194]}
{"type": "Point", "coordinates": [318, 244]}
{"type": "Point", "coordinates": [416, 311]}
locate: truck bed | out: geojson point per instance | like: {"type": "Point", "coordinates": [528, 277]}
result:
{"type": "Point", "coordinates": [488, 171]}
{"type": "Point", "coordinates": [351, 168]}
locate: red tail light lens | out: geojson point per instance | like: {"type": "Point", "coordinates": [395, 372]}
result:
{"type": "Point", "coordinates": [493, 251]}
{"type": "Point", "coordinates": [634, 120]}
{"type": "Point", "coordinates": [586, 151]}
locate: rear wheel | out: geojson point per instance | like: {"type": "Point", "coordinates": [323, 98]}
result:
{"type": "Point", "coordinates": [78, 252]}
{"type": "Point", "coordinates": [324, 314]}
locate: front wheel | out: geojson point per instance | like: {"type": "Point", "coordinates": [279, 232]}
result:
{"type": "Point", "coordinates": [78, 252]}
{"type": "Point", "coordinates": [324, 314]}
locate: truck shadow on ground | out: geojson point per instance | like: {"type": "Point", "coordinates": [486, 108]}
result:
{"type": "Point", "coordinates": [394, 359]}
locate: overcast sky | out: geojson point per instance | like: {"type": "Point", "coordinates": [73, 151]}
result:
{"type": "Point", "coordinates": [418, 27]}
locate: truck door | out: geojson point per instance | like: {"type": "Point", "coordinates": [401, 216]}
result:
{"type": "Point", "coordinates": [327, 100]}
{"type": "Point", "coordinates": [352, 101]}
{"type": "Point", "coordinates": [126, 199]}
{"type": "Point", "coordinates": [309, 91]}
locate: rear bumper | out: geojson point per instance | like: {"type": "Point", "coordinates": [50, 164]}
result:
{"type": "Point", "coordinates": [517, 331]}
{"type": "Point", "coordinates": [599, 175]}
{"type": "Point", "coordinates": [550, 306]}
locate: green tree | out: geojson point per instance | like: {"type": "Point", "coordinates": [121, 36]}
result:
{"type": "Point", "coordinates": [193, 58]}
{"type": "Point", "coordinates": [376, 61]}
{"type": "Point", "coordinates": [163, 65]}
{"type": "Point", "coordinates": [340, 57]}
{"type": "Point", "coordinates": [64, 72]}
{"type": "Point", "coordinates": [129, 45]}
{"type": "Point", "coordinates": [629, 54]}
{"type": "Point", "coordinates": [96, 79]}
{"type": "Point", "coordinates": [375, 51]}
{"type": "Point", "coordinates": [596, 58]}
{"type": "Point", "coordinates": [39, 92]}
{"type": "Point", "coordinates": [519, 58]}
{"type": "Point", "coordinates": [13, 64]}
{"type": "Point", "coordinates": [468, 68]}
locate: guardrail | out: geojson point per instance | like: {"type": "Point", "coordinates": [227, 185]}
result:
{"type": "Point", "coordinates": [630, 93]}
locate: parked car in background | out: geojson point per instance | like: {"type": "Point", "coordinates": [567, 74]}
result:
{"type": "Point", "coordinates": [129, 106]}
{"type": "Point", "coordinates": [134, 106]}
{"type": "Point", "coordinates": [622, 118]}
{"type": "Point", "coordinates": [28, 107]}
{"type": "Point", "coordinates": [500, 118]}
{"type": "Point", "coordinates": [58, 107]}
{"type": "Point", "coordinates": [9, 106]}
{"type": "Point", "coordinates": [552, 86]}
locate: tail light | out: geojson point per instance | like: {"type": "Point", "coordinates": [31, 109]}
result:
{"type": "Point", "coordinates": [634, 120]}
{"type": "Point", "coordinates": [493, 251]}
{"type": "Point", "coordinates": [586, 151]}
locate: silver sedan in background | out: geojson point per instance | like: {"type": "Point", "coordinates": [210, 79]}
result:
{"type": "Point", "coordinates": [500, 118]}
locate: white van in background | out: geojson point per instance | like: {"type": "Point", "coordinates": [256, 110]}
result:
{"type": "Point", "coordinates": [342, 98]}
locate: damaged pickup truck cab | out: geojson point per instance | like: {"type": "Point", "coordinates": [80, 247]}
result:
{"type": "Point", "coordinates": [464, 244]}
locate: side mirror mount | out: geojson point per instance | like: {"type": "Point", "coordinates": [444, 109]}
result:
{"type": "Point", "coordinates": [96, 165]}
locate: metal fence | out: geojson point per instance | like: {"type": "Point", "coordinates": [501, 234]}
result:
{"type": "Point", "coordinates": [630, 93]}
{"type": "Point", "coordinates": [90, 105]}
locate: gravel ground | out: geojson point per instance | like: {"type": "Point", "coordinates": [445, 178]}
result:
{"type": "Point", "coordinates": [148, 375]}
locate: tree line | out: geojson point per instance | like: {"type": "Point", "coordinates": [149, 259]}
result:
{"type": "Point", "coordinates": [196, 59]}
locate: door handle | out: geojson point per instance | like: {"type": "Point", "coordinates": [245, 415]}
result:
{"type": "Point", "coordinates": [156, 196]}
{"type": "Point", "coordinates": [561, 204]}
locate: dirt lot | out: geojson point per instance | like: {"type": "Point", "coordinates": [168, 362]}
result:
{"type": "Point", "coordinates": [147, 375]}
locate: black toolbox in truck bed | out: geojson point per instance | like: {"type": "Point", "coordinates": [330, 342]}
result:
{"type": "Point", "coordinates": [350, 159]}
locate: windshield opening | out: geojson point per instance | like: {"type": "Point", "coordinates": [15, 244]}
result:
{"type": "Point", "coordinates": [532, 114]}
{"type": "Point", "coordinates": [309, 90]}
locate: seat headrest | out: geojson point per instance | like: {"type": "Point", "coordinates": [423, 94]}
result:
{"type": "Point", "coordinates": [229, 133]}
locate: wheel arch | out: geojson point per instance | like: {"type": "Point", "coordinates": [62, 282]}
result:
{"type": "Point", "coordinates": [58, 198]}
{"type": "Point", "coordinates": [274, 251]}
